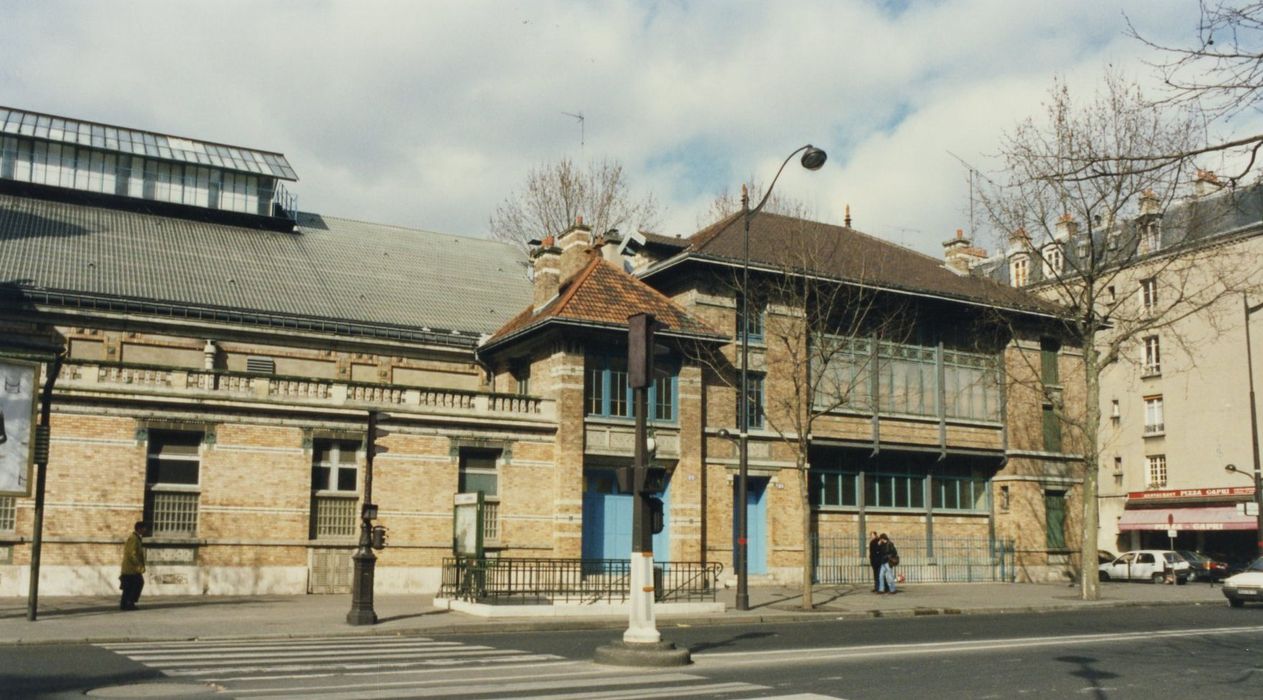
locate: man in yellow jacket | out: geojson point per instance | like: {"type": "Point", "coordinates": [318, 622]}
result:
{"type": "Point", "coordinates": [132, 574]}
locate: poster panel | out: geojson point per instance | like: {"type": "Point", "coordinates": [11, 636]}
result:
{"type": "Point", "coordinates": [17, 425]}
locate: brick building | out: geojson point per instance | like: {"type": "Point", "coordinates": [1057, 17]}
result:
{"type": "Point", "coordinates": [223, 350]}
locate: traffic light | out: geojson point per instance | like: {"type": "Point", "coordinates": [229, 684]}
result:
{"type": "Point", "coordinates": [379, 537]}
{"type": "Point", "coordinates": [656, 516]}
{"type": "Point", "coordinates": [372, 446]}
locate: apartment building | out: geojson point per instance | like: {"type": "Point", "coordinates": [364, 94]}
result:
{"type": "Point", "coordinates": [1175, 408]}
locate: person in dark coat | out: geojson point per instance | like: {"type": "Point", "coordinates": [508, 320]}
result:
{"type": "Point", "coordinates": [889, 560]}
{"type": "Point", "coordinates": [875, 558]}
{"type": "Point", "coordinates": [132, 573]}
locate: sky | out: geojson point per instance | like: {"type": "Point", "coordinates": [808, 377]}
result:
{"type": "Point", "coordinates": [429, 114]}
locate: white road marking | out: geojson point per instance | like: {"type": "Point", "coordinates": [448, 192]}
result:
{"type": "Point", "coordinates": [862, 652]}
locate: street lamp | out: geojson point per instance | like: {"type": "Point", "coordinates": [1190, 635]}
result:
{"type": "Point", "coordinates": [812, 159]}
{"type": "Point", "coordinates": [1254, 429]}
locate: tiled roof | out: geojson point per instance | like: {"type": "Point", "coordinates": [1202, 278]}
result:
{"type": "Point", "coordinates": [601, 294]}
{"type": "Point", "coordinates": [845, 254]}
{"type": "Point", "coordinates": [334, 269]}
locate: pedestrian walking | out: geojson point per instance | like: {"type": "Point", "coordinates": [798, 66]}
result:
{"type": "Point", "coordinates": [132, 574]}
{"type": "Point", "coordinates": [874, 559]}
{"type": "Point", "coordinates": [890, 559]}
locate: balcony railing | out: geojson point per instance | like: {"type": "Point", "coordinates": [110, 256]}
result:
{"type": "Point", "coordinates": [546, 581]}
{"type": "Point", "coordinates": [202, 384]}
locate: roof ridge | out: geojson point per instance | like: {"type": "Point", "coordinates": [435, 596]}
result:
{"type": "Point", "coordinates": [707, 234]}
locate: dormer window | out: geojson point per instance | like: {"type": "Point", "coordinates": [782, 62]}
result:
{"type": "Point", "coordinates": [1020, 271]}
{"type": "Point", "coordinates": [1054, 260]}
{"type": "Point", "coordinates": [1150, 237]}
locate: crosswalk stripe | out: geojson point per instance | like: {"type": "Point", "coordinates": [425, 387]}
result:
{"type": "Point", "coordinates": [286, 642]}
{"type": "Point", "coordinates": [160, 659]}
{"type": "Point", "coordinates": [540, 663]}
{"type": "Point", "coordinates": [447, 660]}
{"type": "Point", "coordinates": [152, 651]}
{"type": "Point", "coordinates": [537, 671]}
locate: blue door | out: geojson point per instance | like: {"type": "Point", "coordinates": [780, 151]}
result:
{"type": "Point", "coordinates": [607, 519]}
{"type": "Point", "coordinates": [756, 525]}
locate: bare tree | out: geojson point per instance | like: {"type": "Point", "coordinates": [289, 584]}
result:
{"type": "Point", "coordinates": [1088, 243]}
{"type": "Point", "coordinates": [727, 203]}
{"type": "Point", "coordinates": [555, 194]}
{"type": "Point", "coordinates": [1219, 76]}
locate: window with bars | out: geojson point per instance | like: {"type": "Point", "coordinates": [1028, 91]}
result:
{"type": "Point", "coordinates": [1157, 471]}
{"type": "Point", "coordinates": [334, 487]}
{"type": "Point", "coordinates": [1153, 415]}
{"type": "Point", "coordinates": [8, 513]}
{"type": "Point", "coordinates": [172, 482]}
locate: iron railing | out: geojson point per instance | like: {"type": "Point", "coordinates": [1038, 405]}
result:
{"type": "Point", "coordinates": [334, 516]}
{"type": "Point", "coordinates": [949, 560]}
{"type": "Point", "coordinates": [173, 513]}
{"type": "Point", "coordinates": [547, 581]}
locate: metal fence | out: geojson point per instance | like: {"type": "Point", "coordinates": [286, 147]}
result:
{"type": "Point", "coordinates": [547, 581]}
{"type": "Point", "coordinates": [174, 513]}
{"type": "Point", "coordinates": [950, 560]}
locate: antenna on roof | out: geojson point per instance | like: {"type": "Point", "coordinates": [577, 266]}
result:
{"type": "Point", "coordinates": [972, 172]}
{"type": "Point", "coordinates": [578, 116]}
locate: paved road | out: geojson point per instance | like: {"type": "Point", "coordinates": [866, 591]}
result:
{"type": "Point", "coordinates": [1174, 651]}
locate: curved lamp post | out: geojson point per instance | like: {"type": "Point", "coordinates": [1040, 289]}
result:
{"type": "Point", "coordinates": [1254, 430]}
{"type": "Point", "coordinates": [812, 159]}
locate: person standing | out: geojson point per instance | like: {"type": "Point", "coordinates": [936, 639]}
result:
{"type": "Point", "coordinates": [132, 574]}
{"type": "Point", "coordinates": [889, 560]}
{"type": "Point", "coordinates": [874, 559]}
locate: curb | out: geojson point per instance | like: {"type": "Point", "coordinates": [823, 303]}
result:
{"type": "Point", "coordinates": [555, 625]}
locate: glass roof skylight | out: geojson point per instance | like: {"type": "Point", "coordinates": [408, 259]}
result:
{"type": "Point", "coordinates": [144, 143]}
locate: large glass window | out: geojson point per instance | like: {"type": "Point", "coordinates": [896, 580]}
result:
{"type": "Point", "coordinates": [607, 392]}
{"type": "Point", "coordinates": [835, 488]}
{"type": "Point", "coordinates": [959, 493]}
{"type": "Point", "coordinates": [171, 482]}
{"type": "Point", "coordinates": [755, 325]}
{"type": "Point", "coordinates": [1157, 471]}
{"type": "Point", "coordinates": [1154, 422]}
{"type": "Point", "coordinates": [1151, 357]}
{"type": "Point", "coordinates": [894, 490]}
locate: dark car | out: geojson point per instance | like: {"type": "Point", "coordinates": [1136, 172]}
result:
{"type": "Point", "coordinates": [1204, 568]}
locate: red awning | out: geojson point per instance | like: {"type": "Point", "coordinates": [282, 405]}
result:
{"type": "Point", "coordinates": [1213, 518]}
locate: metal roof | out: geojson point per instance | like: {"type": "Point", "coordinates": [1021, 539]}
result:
{"type": "Point", "coordinates": [332, 269]}
{"type": "Point", "coordinates": [150, 144]}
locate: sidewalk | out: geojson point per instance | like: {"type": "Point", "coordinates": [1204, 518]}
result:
{"type": "Point", "coordinates": [201, 617]}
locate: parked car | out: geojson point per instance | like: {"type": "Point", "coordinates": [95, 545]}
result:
{"type": "Point", "coordinates": [1145, 565]}
{"type": "Point", "coordinates": [1247, 585]}
{"type": "Point", "coordinates": [1203, 567]}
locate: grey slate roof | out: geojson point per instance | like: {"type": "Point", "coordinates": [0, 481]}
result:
{"type": "Point", "coordinates": [330, 269]}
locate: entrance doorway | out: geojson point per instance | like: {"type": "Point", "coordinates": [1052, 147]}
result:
{"type": "Point", "coordinates": [756, 524]}
{"type": "Point", "coordinates": [607, 519]}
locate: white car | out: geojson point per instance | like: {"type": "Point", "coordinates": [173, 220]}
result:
{"type": "Point", "coordinates": [1247, 585]}
{"type": "Point", "coordinates": [1145, 565]}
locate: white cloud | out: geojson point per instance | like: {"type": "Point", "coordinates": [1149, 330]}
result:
{"type": "Point", "coordinates": [428, 113]}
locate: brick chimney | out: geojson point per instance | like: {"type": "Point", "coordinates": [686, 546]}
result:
{"type": "Point", "coordinates": [1019, 241]}
{"type": "Point", "coordinates": [1066, 228]}
{"type": "Point", "coordinates": [547, 258]}
{"type": "Point", "coordinates": [1149, 202]}
{"type": "Point", "coordinates": [1206, 182]}
{"type": "Point", "coordinates": [959, 255]}
{"type": "Point", "coordinates": [575, 244]}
